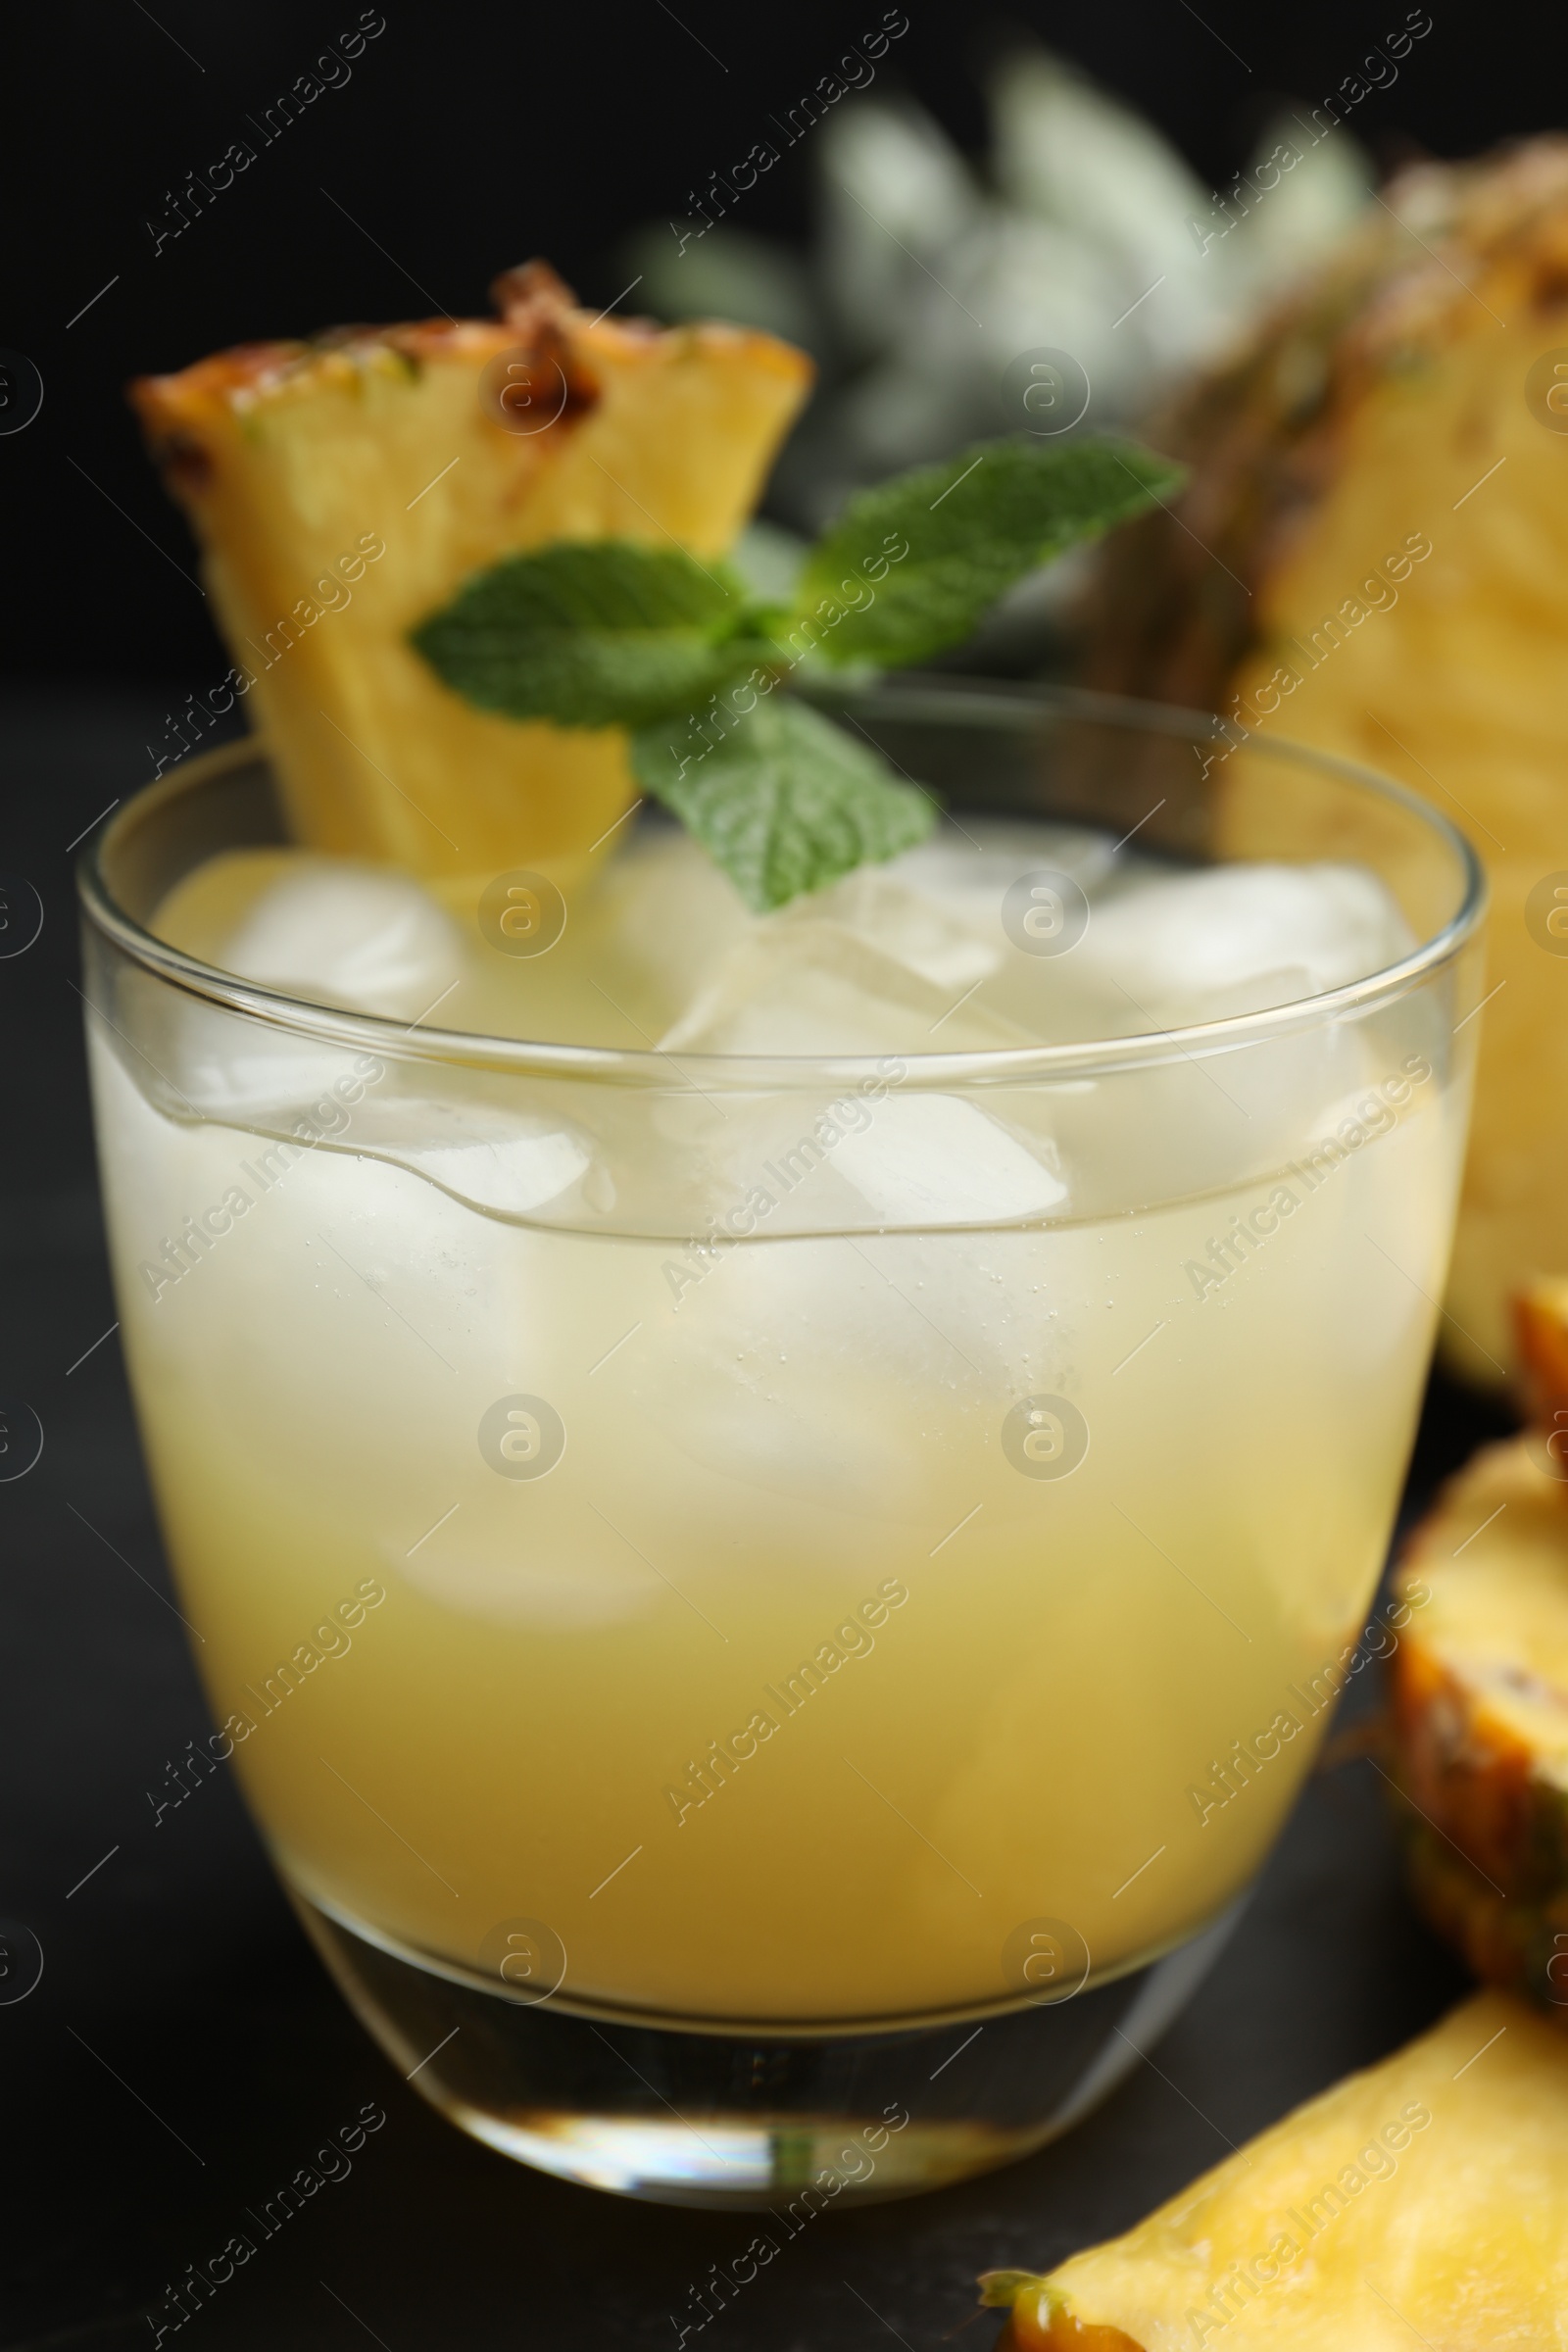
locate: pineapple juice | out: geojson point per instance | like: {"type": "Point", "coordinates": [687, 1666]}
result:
{"type": "Point", "coordinates": [846, 1603]}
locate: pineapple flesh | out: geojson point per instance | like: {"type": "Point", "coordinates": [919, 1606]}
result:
{"type": "Point", "coordinates": [1372, 558]}
{"type": "Point", "coordinates": [1425, 2200]}
{"type": "Point", "coordinates": [344, 489]}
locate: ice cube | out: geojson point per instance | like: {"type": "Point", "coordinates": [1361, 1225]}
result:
{"type": "Point", "coordinates": [217, 1064]}
{"type": "Point", "coordinates": [1236, 939]}
{"type": "Point", "coordinates": [912, 926]}
{"type": "Point", "coordinates": [1211, 946]}
{"type": "Point", "coordinates": [971, 867]}
{"type": "Point", "coordinates": [968, 872]}
{"type": "Point", "coordinates": [351, 936]}
{"type": "Point", "coordinates": [932, 1159]}
{"type": "Point", "coordinates": [808, 986]}
{"type": "Point", "coordinates": [874, 1156]}
{"type": "Point", "coordinates": [808, 1368]}
{"type": "Point", "coordinates": [916, 935]}
{"type": "Point", "coordinates": [665, 907]}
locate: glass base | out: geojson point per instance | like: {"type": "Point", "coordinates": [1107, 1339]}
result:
{"type": "Point", "coordinates": [781, 2121]}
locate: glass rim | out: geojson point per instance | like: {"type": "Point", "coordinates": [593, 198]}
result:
{"type": "Point", "coordinates": [982, 702]}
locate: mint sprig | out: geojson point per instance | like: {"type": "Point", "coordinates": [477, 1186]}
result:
{"type": "Point", "coordinates": [614, 633]}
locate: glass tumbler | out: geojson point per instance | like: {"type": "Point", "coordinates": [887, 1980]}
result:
{"type": "Point", "coordinates": [769, 1609]}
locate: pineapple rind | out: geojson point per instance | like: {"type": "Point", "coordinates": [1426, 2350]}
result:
{"type": "Point", "coordinates": [1507, 1940]}
{"type": "Point", "coordinates": [1427, 2196]}
{"type": "Point", "coordinates": [1479, 1685]}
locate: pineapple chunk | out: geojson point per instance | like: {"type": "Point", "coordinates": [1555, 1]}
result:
{"type": "Point", "coordinates": [344, 489]}
{"type": "Point", "coordinates": [1423, 2200]}
{"type": "Point", "coordinates": [1479, 1718]}
{"type": "Point", "coordinates": [1372, 556]}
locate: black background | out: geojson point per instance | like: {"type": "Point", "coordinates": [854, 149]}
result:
{"type": "Point", "coordinates": [472, 136]}
{"type": "Point", "coordinates": [175, 1981]}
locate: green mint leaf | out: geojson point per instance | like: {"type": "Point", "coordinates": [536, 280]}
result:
{"type": "Point", "coordinates": [914, 565]}
{"type": "Point", "coordinates": [596, 633]}
{"type": "Point", "coordinates": [785, 802]}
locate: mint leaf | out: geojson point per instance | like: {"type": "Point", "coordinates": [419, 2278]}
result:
{"type": "Point", "coordinates": [785, 802]}
{"type": "Point", "coordinates": [593, 633]}
{"type": "Point", "coordinates": [914, 565]}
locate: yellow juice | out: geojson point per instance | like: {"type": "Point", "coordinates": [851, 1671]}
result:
{"type": "Point", "coordinates": [866, 1591]}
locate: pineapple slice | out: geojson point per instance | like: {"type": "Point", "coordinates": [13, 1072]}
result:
{"type": "Point", "coordinates": [1372, 556]}
{"type": "Point", "coordinates": [1479, 1718]}
{"type": "Point", "coordinates": [344, 489]}
{"type": "Point", "coordinates": [1425, 2200]}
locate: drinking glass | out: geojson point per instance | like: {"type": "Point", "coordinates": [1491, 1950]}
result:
{"type": "Point", "coordinates": [769, 1609]}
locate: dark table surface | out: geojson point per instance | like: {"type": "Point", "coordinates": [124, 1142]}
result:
{"type": "Point", "coordinates": [184, 2051]}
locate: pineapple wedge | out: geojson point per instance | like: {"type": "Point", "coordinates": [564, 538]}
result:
{"type": "Point", "coordinates": [1479, 1718]}
{"type": "Point", "coordinates": [341, 490]}
{"type": "Point", "coordinates": [1372, 558]}
{"type": "Point", "coordinates": [1425, 2200]}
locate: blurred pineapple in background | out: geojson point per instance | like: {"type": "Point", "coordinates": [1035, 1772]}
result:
{"type": "Point", "coordinates": [1372, 556]}
{"type": "Point", "coordinates": [343, 489]}
{"type": "Point", "coordinates": [928, 276]}
{"type": "Point", "coordinates": [1479, 1688]}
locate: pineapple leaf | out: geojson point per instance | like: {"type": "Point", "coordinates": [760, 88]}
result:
{"type": "Point", "coordinates": [914, 565]}
{"type": "Point", "coordinates": [593, 633]}
{"type": "Point", "coordinates": [784, 801]}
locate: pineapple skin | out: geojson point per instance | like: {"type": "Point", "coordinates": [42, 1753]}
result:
{"type": "Point", "coordinates": [1479, 1720]}
{"type": "Point", "coordinates": [1426, 2198]}
{"type": "Point", "coordinates": [342, 490]}
{"type": "Point", "coordinates": [1378, 410]}
{"type": "Point", "coordinates": [1515, 1943]}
